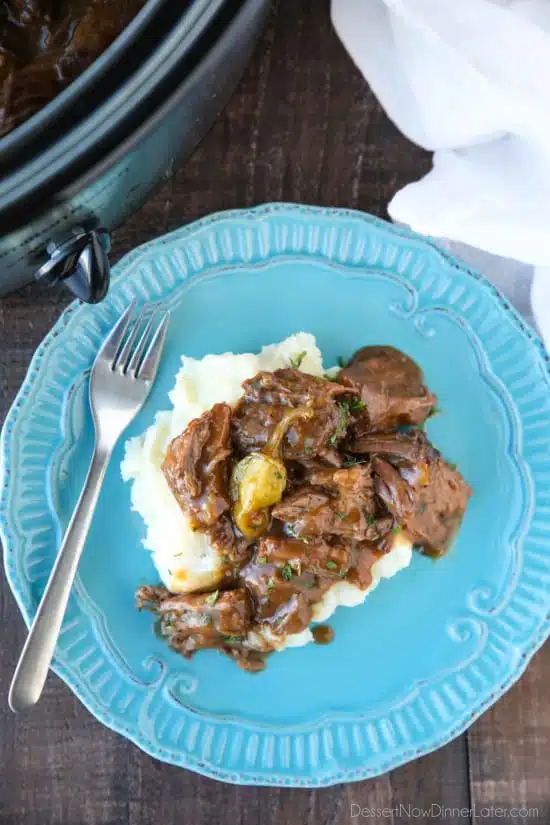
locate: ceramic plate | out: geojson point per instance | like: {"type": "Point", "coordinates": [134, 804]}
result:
{"type": "Point", "coordinates": [429, 650]}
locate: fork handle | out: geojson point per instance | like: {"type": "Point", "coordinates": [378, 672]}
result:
{"type": "Point", "coordinates": [34, 662]}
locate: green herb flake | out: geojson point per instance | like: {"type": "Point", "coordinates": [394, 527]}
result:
{"type": "Point", "coordinates": [232, 639]}
{"type": "Point", "coordinates": [309, 584]}
{"type": "Point", "coordinates": [270, 583]}
{"type": "Point", "coordinates": [352, 405]}
{"type": "Point", "coordinates": [345, 408]}
{"type": "Point", "coordinates": [397, 529]}
{"type": "Point", "coordinates": [341, 361]}
{"type": "Point", "coordinates": [290, 530]}
{"type": "Point", "coordinates": [287, 572]}
{"type": "Point", "coordinates": [421, 508]}
{"type": "Point", "coordinates": [452, 465]}
{"type": "Point", "coordinates": [295, 360]}
{"type": "Point", "coordinates": [353, 461]}
{"type": "Point", "coordinates": [262, 559]}
{"type": "Point", "coordinates": [225, 559]}
{"type": "Point", "coordinates": [278, 475]}
{"type": "Point", "coordinates": [212, 598]}
{"type": "Point", "coordinates": [340, 515]}
{"type": "Point", "coordinates": [371, 520]}
{"type": "Point", "coordinates": [331, 565]}
{"type": "Point", "coordinates": [308, 450]}
{"type": "Point", "coordinates": [434, 411]}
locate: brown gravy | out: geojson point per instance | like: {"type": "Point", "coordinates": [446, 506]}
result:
{"type": "Point", "coordinates": [323, 634]}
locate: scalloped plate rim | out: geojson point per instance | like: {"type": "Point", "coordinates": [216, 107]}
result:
{"type": "Point", "coordinates": [80, 690]}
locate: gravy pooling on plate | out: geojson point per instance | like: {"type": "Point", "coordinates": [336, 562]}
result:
{"type": "Point", "coordinates": [303, 483]}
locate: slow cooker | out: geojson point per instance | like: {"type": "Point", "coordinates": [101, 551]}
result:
{"type": "Point", "coordinates": [92, 158]}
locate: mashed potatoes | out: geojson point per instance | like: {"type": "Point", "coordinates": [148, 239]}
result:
{"type": "Point", "coordinates": [185, 559]}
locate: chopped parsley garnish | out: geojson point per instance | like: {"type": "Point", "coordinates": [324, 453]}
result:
{"type": "Point", "coordinates": [371, 520]}
{"type": "Point", "coordinates": [212, 598]}
{"type": "Point", "coordinates": [341, 362]}
{"type": "Point", "coordinates": [343, 413]}
{"type": "Point", "coordinates": [340, 515]}
{"type": "Point", "coordinates": [295, 361]}
{"type": "Point", "coordinates": [352, 405]}
{"type": "Point", "coordinates": [397, 528]}
{"type": "Point", "coordinates": [309, 583]}
{"type": "Point", "coordinates": [434, 411]}
{"type": "Point", "coordinates": [225, 559]}
{"type": "Point", "coordinates": [160, 627]}
{"type": "Point", "coordinates": [278, 475]}
{"type": "Point", "coordinates": [452, 465]}
{"type": "Point", "coordinates": [345, 408]}
{"type": "Point", "coordinates": [270, 583]}
{"type": "Point", "coordinates": [286, 572]}
{"type": "Point", "coordinates": [421, 508]}
{"type": "Point", "coordinates": [351, 461]}
{"type": "Point", "coordinates": [308, 450]}
{"type": "Point", "coordinates": [262, 559]}
{"type": "Point", "coordinates": [331, 565]}
{"type": "Point", "coordinates": [232, 638]}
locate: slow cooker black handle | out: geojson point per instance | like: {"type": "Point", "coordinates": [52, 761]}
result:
{"type": "Point", "coordinates": [81, 263]}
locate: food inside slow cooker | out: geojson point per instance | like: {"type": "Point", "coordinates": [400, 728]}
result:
{"type": "Point", "coordinates": [302, 484]}
{"type": "Point", "coordinates": [46, 44]}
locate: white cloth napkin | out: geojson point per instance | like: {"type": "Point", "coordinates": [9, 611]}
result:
{"type": "Point", "coordinates": [470, 80]}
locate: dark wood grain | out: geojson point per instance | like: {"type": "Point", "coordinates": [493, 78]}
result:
{"type": "Point", "coordinates": [509, 748]}
{"type": "Point", "coordinates": [302, 126]}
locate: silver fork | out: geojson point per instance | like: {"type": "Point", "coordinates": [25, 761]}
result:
{"type": "Point", "coordinates": [121, 378]}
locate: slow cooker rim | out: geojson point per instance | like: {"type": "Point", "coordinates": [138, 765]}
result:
{"type": "Point", "coordinates": [105, 118]}
{"type": "Point", "coordinates": [86, 176]}
{"type": "Point", "coordinates": [42, 119]}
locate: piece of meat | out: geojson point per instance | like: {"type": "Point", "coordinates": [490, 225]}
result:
{"type": "Point", "coordinates": [233, 549]}
{"type": "Point", "coordinates": [268, 400]}
{"type": "Point", "coordinates": [290, 387]}
{"type": "Point", "coordinates": [287, 576]}
{"type": "Point", "coordinates": [438, 510]}
{"type": "Point", "coordinates": [413, 446]}
{"type": "Point", "coordinates": [424, 493]}
{"type": "Point", "coordinates": [197, 466]}
{"type": "Point", "coordinates": [199, 621]}
{"type": "Point", "coordinates": [335, 502]}
{"type": "Point", "coordinates": [363, 555]}
{"type": "Point", "coordinates": [392, 489]}
{"type": "Point", "coordinates": [390, 385]}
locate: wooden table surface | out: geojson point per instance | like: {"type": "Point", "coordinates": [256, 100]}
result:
{"type": "Point", "coordinates": [302, 126]}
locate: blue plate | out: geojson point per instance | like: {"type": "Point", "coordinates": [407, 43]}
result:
{"type": "Point", "coordinates": [429, 650]}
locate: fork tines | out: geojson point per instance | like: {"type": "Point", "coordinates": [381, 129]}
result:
{"type": "Point", "coordinates": [134, 345]}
